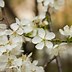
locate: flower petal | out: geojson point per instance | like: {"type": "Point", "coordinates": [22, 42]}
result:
{"type": "Point", "coordinates": [36, 40]}
{"type": "Point", "coordinates": [20, 31]}
{"type": "Point", "coordinates": [8, 32]}
{"type": "Point", "coordinates": [25, 22]}
{"type": "Point", "coordinates": [67, 30]}
{"type": "Point", "coordinates": [39, 1]}
{"type": "Point", "coordinates": [50, 36]}
{"type": "Point", "coordinates": [17, 62]}
{"type": "Point", "coordinates": [14, 26]}
{"type": "Point", "coordinates": [41, 32]}
{"type": "Point", "coordinates": [40, 45]}
{"type": "Point", "coordinates": [3, 40]}
{"type": "Point", "coordinates": [49, 44]}
{"type": "Point", "coordinates": [2, 3]}
{"type": "Point", "coordinates": [34, 33]}
{"type": "Point", "coordinates": [17, 21]}
{"type": "Point", "coordinates": [61, 31]}
{"type": "Point", "coordinates": [27, 29]}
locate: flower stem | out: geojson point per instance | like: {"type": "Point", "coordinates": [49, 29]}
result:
{"type": "Point", "coordinates": [61, 41]}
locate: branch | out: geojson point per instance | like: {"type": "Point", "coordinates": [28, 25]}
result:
{"type": "Point", "coordinates": [58, 63]}
{"type": "Point", "coordinates": [4, 16]}
{"type": "Point", "coordinates": [49, 62]}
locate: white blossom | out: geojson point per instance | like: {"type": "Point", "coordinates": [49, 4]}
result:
{"type": "Point", "coordinates": [67, 31]}
{"type": "Point", "coordinates": [2, 3]}
{"type": "Point", "coordinates": [43, 39]}
{"type": "Point", "coordinates": [39, 1]}
{"type": "Point", "coordinates": [47, 2]}
{"type": "Point", "coordinates": [21, 64]}
{"type": "Point", "coordinates": [58, 49]}
{"type": "Point", "coordinates": [21, 26]}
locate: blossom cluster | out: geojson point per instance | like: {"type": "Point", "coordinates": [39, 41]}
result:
{"type": "Point", "coordinates": [11, 57]}
{"type": "Point", "coordinates": [35, 31]}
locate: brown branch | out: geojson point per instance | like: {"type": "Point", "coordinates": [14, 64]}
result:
{"type": "Point", "coordinates": [58, 63]}
{"type": "Point", "coordinates": [4, 16]}
{"type": "Point", "coordinates": [49, 62]}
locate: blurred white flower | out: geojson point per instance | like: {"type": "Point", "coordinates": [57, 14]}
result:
{"type": "Point", "coordinates": [3, 27]}
{"type": "Point", "coordinates": [47, 2]}
{"type": "Point", "coordinates": [14, 42]}
{"type": "Point", "coordinates": [3, 42]}
{"type": "Point", "coordinates": [58, 49]}
{"type": "Point", "coordinates": [58, 4]}
{"type": "Point", "coordinates": [3, 62]}
{"type": "Point", "coordinates": [43, 39]}
{"type": "Point", "coordinates": [17, 62]}
{"type": "Point", "coordinates": [2, 3]}
{"type": "Point", "coordinates": [22, 26]}
{"type": "Point", "coordinates": [67, 31]}
{"type": "Point", "coordinates": [39, 1]}
{"type": "Point", "coordinates": [27, 66]}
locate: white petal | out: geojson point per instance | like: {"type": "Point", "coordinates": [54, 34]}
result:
{"type": "Point", "coordinates": [45, 22]}
{"type": "Point", "coordinates": [27, 39]}
{"type": "Point", "coordinates": [8, 32]}
{"type": "Point", "coordinates": [2, 49]}
{"type": "Point", "coordinates": [17, 62]}
{"type": "Point", "coordinates": [46, 3]}
{"type": "Point", "coordinates": [42, 16]}
{"type": "Point", "coordinates": [17, 39]}
{"type": "Point", "coordinates": [20, 31]}
{"type": "Point", "coordinates": [17, 21]}
{"type": "Point", "coordinates": [14, 26]}
{"type": "Point", "coordinates": [41, 32]}
{"type": "Point", "coordinates": [40, 45]}
{"type": "Point", "coordinates": [10, 46]}
{"type": "Point", "coordinates": [50, 36]}
{"type": "Point", "coordinates": [39, 1]}
{"type": "Point", "coordinates": [3, 40]}
{"type": "Point", "coordinates": [61, 31]}
{"type": "Point", "coordinates": [2, 3]}
{"type": "Point", "coordinates": [27, 29]}
{"type": "Point", "coordinates": [25, 22]}
{"type": "Point", "coordinates": [56, 46]}
{"type": "Point", "coordinates": [49, 44]}
{"type": "Point", "coordinates": [34, 33]}
{"type": "Point", "coordinates": [36, 40]}
{"type": "Point", "coordinates": [66, 30]}
{"type": "Point", "coordinates": [35, 62]}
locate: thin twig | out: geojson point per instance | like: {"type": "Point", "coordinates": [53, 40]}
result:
{"type": "Point", "coordinates": [58, 63]}
{"type": "Point", "coordinates": [49, 62]}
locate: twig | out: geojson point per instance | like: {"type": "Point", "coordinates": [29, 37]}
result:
{"type": "Point", "coordinates": [49, 62]}
{"type": "Point", "coordinates": [58, 63]}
